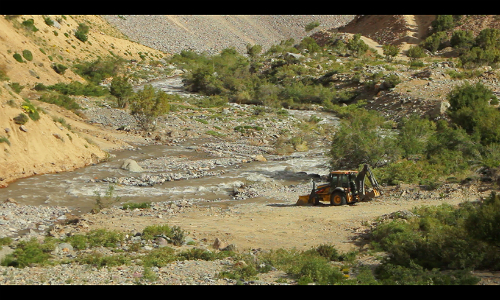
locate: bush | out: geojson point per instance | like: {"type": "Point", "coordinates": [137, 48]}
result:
{"type": "Point", "coordinates": [21, 119]}
{"type": "Point", "coordinates": [470, 109]}
{"type": "Point", "coordinates": [60, 100]}
{"type": "Point", "coordinates": [30, 110]}
{"type": "Point", "coordinates": [390, 51]}
{"type": "Point", "coordinates": [147, 104]}
{"type": "Point", "coordinates": [28, 253]}
{"type": "Point", "coordinates": [77, 88]}
{"type": "Point", "coordinates": [435, 41]}
{"type": "Point", "coordinates": [360, 140]}
{"type": "Point", "coordinates": [99, 69]}
{"type": "Point", "coordinates": [81, 32]}
{"type": "Point", "coordinates": [27, 55]}
{"type": "Point", "coordinates": [30, 25]}
{"type": "Point", "coordinates": [439, 237]}
{"type": "Point", "coordinates": [59, 68]}
{"type": "Point", "coordinates": [18, 57]}
{"type": "Point", "coordinates": [121, 89]}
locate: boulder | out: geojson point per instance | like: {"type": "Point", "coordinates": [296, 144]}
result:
{"type": "Point", "coordinates": [132, 166]}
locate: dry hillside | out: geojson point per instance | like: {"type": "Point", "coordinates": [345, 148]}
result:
{"type": "Point", "coordinates": [44, 145]}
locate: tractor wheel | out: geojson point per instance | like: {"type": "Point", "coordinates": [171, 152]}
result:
{"type": "Point", "coordinates": [337, 198]}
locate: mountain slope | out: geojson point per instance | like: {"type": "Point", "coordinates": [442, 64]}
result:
{"type": "Point", "coordinates": [212, 33]}
{"type": "Point", "coordinates": [46, 146]}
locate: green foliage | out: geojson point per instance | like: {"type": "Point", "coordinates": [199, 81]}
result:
{"type": "Point", "coordinates": [147, 104]}
{"type": "Point", "coordinates": [4, 140]}
{"type": "Point", "coordinates": [27, 55]}
{"type": "Point", "coordinates": [357, 45]}
{"type": "Point", "coordinates": [309, 44]}
{"type": "Point", "coordinates": [81, 32]}
{"type": "Point", "coordinates": [442, 237]}
{"type": "Point", "coordinates": [75, 88]}
{"type": "Point", "coordinates": [105, 201]}
{"type": "Point", "coordinates": [435, 41]}
{"type": "Point", "coordinates": [21, 119]}
{"type": "Point", "coordinates": [99, 69]}
{"type": "Point", "coordinates": [95, 238]}
{"type": "Point", "coordinates": [16, 86]}
{"type": "Point", "coordinates": [28, 253]}
{"type": "Point", "coordinates": [18, 57]}
{"type": "Point", "coordinates": [60, 100]}
{"type": "Point", "coordinates": [462, 39]}
{"type": "Point", "coordinates": [311, 26]}
{"type": "Point", "coordinates": [443, 23]}
{"type": "Point", "coordinates": [413, 134]}
{"type": "Point", "coordinates": [174, 234]}
{"type": "Point", "coordinates": [360, 139]}
{"type": "Point", "coordinates": [390, 51]}
{"type": "Point", "coordinates": [121, 89]}
{"type": "Point", "coordinates": [100, 260]}
{"type": "Point", "coordinates": [30, 25]}
{"type": "Point", "coordinates": [141, 205]}
{"type": "Point", "coordinates": [59, 68]}
{"type": "Point", "coordinates": [470, 109]}
{"type": "Point", "coordinates": [48, 21]}
{"type": "Point", "coordinates": [484, 221]}
{"type": "Point", "coordinates": [30, 110]}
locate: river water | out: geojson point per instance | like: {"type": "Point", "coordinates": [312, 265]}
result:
{"type": "Point", "coordinates": [78, 189]}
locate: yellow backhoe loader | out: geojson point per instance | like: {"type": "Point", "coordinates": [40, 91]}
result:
{"type": "Point", "coordinates": [343, 187]}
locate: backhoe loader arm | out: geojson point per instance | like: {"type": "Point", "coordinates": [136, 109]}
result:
{"type": "Point", "coordinates": [360, 181]}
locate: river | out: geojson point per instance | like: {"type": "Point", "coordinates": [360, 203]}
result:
{"type": "Point", "coordinates": [78, 189]}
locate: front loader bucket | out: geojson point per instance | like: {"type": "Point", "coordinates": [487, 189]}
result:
{"type": "Point", "coordinates": [304, 200]}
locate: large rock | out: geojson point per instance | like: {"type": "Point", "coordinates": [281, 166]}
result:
{"type": "Point", "coordinates": [132, 166]}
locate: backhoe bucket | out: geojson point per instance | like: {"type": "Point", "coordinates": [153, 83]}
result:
{"type": "Point", "coordinates": [304, 200]}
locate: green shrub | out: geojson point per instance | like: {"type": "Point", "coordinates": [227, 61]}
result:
{"type": "Point", "coordinates": [121, 89]}
{"type": "Point", "coordinates": [28, 253]}
{"type": "Point", "coordinates": [81, 32]}
{"type": "Point", "coordinates": [59, 68]}
{"type": "Point", "coordinates": [141, 205]}
{"type": "Point", "coordinates": [48, 21]}
{"type": "Point", "coordinates": [27, 55]}
{"type": "Point", "coordinates": [21, 119]}
{"type": "Point", "coordinates": [99, 69]}
{"type": "Point", "coordinates": [4, 140]}
{"type": "Point", "coordinates": [312, 25]}
{"type": "Point", "coordinates": [60, 100]}
{"type": "Point", "coordinates": [100, 260]}
{"type": "Point", "coordinates": [159, 257]}
{"type": "Point", "coordinates": [30, 25]}
{"type": "Point", "coordinates": [16, 87]}
{"type": "Point", "coordinates": [30, 110]}
{"type": "Point", "coordinates": [78, 88]}
{"type": "Point", "coordinates": [18, 57]}
{"type": "Point", "coordinates": [147, 104]}
{"type": "Point", "coordinates": [174, 235]}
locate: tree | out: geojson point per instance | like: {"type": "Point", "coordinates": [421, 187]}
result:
{"type": "Point", "coordinates": [416, 52]}
{"type": "Point", "coordinates": [470, 109]}
{"type": "Point", "coordinates": [147, 104]}
{"type": "Point", "coordinates": [361, 139]}
{"type": "Point", "coordinates": [443, 23]}
{"type": "Point", "coordinates": [462, 39]}
{"type": "Point", "coordinates": [357, 45]}
{"type": "Point", "coordinates": [390, 51]}
{"type": "Point", "coordinates": [435, 41]}
{"type": "Point", "coordinates": [413, 135]}
{"type": "Point", "coordinates": [121, 89]}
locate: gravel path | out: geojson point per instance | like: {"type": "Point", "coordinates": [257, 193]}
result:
{"type": "Point", "coordinates": [174, 33]}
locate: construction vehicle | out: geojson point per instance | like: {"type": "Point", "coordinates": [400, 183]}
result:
{"type": "Point", "coordinates": [343, 187]}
